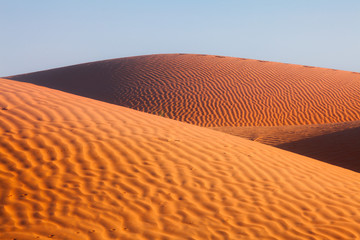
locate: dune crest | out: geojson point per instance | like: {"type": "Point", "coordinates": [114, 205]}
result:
{"type": "Point", "coordinates": [77, 168]}
{"type": "Point", "coordinates": [214, 91]}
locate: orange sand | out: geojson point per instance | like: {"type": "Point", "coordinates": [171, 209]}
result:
{"type": "Point", "coordinates": [340, 148]}
{"type": "Point", "coordinates": [335, 143]}
{"type": "Point", "coordinates": [277, 135]}
{"type": "Point", "coordinates": [77, 168]}
{"type": "Point", "coordinates": [213, 90]}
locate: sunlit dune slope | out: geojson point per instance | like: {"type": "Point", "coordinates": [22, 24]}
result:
{"type": "Point", "coordinates": [214, 90]}
{"type": "Point", "coordinates": [335, 143]}
{"type": "Point", "coordinates": [77, 168]}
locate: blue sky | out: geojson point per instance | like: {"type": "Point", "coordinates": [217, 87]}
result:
{"type": "Point", "coordinates": [42, 34]}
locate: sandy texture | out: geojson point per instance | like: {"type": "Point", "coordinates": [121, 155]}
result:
{"type": "Point", "coordinates": [213, 90]}
{"type": "Point", "coordinates": [335, 143]}
{"type": "Point", "coordinates": [76, 168]}
{"type": "Point", "coordinates": [340, 148]}
{"type": "Point", "coordinates": [278, 135]}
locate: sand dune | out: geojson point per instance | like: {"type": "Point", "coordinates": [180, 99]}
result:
{"type": "Point", "coordinates": [335, 143]}
{"type": "Point", "coordinates": [297, 102]}
{"type": "Point", "coordinates": [214, 91]}
{"type": "Point", "coordinates": [77, 168]}
{"type": "Point", "coordinates": [341, 148]}
{"type": "Point", "coordinates": [277, 135]}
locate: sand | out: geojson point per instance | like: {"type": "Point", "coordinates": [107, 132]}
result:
{"type": "Point", "coordinates": [214, 91]}
{"type": "Point", "coordinates": [335, 143]}
{"type": "Point", "coordinates": [77, 168]}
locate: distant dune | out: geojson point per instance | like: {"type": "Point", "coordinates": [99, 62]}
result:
{"type": "Point", "coordinates": [77, 168]}
{"type": "Point", "coordinates": [214, 91]}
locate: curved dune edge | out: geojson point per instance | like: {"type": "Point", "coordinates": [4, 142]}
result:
{"type": "Point", "coordinates": [214, 91]}
{"type": "Point", "coordinates": [340, 148]}
{"type": "Point", "coordinates": [334, 143]}
{"type": "Point", "coordinates": [277, 135]}
{"type": "Point", "coordinates": [76, 168]}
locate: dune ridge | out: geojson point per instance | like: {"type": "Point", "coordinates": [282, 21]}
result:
{"type": "Point", "coordinates": [214, 91]}
{"type": "Point", "coordinates": [77, 168]}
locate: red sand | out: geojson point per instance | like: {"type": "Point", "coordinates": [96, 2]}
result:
{"type": "Point", "coordinates": [76, 168]}
{"type": "Point", "coordinates": [214, 91]}
{"type": "Point", "coordinates": [335, 143]}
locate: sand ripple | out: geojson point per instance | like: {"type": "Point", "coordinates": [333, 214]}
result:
{"type": "Point", "coordinates": [213, 90]}
{"type": "Point", "coordinates": [76, 168]}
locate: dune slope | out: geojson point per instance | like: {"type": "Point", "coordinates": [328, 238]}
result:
{"type": "Point", "coordinates": [278, 135]}
{"type": "Point", "coordinates": [335, 143]}
{"type": "Point", "coordinates": [341, 148]}
{"type": "Point", "coordinates": [213, 90]}
{"type": "Point", "coordinates": [76, 168]}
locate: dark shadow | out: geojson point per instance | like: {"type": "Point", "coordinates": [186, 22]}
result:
{"type": "Point", "coordinates": [340, 148]}
{"type": "Point", "coordinates": [65, 79]}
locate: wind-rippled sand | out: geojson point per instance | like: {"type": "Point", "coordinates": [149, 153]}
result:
{"type": "Point", "coordinates": [214, 91]}
{"type": "Point", "coordinates": [77, 168]}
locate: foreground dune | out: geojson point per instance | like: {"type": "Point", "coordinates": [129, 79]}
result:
{"type": "Point", "coordinates": [214, 91]}
{"type": "Point", "coordinates": [76, 168]}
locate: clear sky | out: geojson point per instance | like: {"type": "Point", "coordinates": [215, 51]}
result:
{"type": "Point", "coordinates": [42, 34]}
